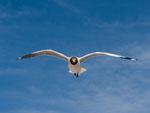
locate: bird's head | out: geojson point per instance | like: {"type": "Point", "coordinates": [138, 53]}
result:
{"type": "Point", "coordinates": [73, 60]}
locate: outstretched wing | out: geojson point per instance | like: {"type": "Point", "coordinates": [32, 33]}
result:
{"type": "Point", "coordinates": [91, 55]}
{"type": "Point", "coordinates": [45, 52]}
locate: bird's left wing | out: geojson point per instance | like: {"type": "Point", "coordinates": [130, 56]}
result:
{"type": "Point", "coordinates": [45, 52]}
{"type": "Point", "coordinates": [94, 54]}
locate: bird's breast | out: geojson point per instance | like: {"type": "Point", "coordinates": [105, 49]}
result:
{"type": "Point", "coordinates": [74, 68]}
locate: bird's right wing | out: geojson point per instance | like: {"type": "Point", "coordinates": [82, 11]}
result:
{"type": "Point", "coordinates": [45, 52]}
{"type": "Point", "coordinates": [91, 55]}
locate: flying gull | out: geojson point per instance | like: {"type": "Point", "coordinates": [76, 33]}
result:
{"type": "Point", "coordinates": [73, 61]}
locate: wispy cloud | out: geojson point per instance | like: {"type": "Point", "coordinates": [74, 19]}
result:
{"type": "Point", "coordinates": [110, 89]}
{"type": "Point", "coordinates": [109, 85]}
{"type": "Point", "coordinates": [99, 23]}
{"type": "Point", "coordinates": [37, 111]}
{"type": "Point", "coordinates": [65, 4]}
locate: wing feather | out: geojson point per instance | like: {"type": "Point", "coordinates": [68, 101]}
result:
{"type": "Point", "coordinates": [44, 52]}
{"type": "Point", "coordinates": [95, 54]}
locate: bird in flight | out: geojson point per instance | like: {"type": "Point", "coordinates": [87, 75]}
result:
{"type": "Point", "coordinates": [73, 62]}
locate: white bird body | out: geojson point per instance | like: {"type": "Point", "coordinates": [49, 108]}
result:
{"type": "Point", "coordinates": [73, 62]}
{"type": "Point", "coordinates": [76, 68]}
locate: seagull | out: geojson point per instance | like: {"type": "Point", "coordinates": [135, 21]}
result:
{"type": "Point", "coordinates": [73, 62]}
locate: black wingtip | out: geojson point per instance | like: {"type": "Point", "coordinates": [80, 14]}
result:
{"type": "Point", "coordinates": [26, 56]}
{"type": "Point", "coordinates": [128, 58]}
{"type": "Point", "coordinates": [19, 58]}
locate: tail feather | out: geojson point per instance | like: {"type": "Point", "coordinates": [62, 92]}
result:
{"type": "Point", "coordinates": [82, 70]}
{"type": "Point", "coordinates": [70, 72]}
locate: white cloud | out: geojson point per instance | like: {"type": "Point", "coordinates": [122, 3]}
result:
{"type": "Point", "coordinates": [65, 4]}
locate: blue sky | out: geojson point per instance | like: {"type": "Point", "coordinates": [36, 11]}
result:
{"type": "Point", "coordinates": [43, 84]}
